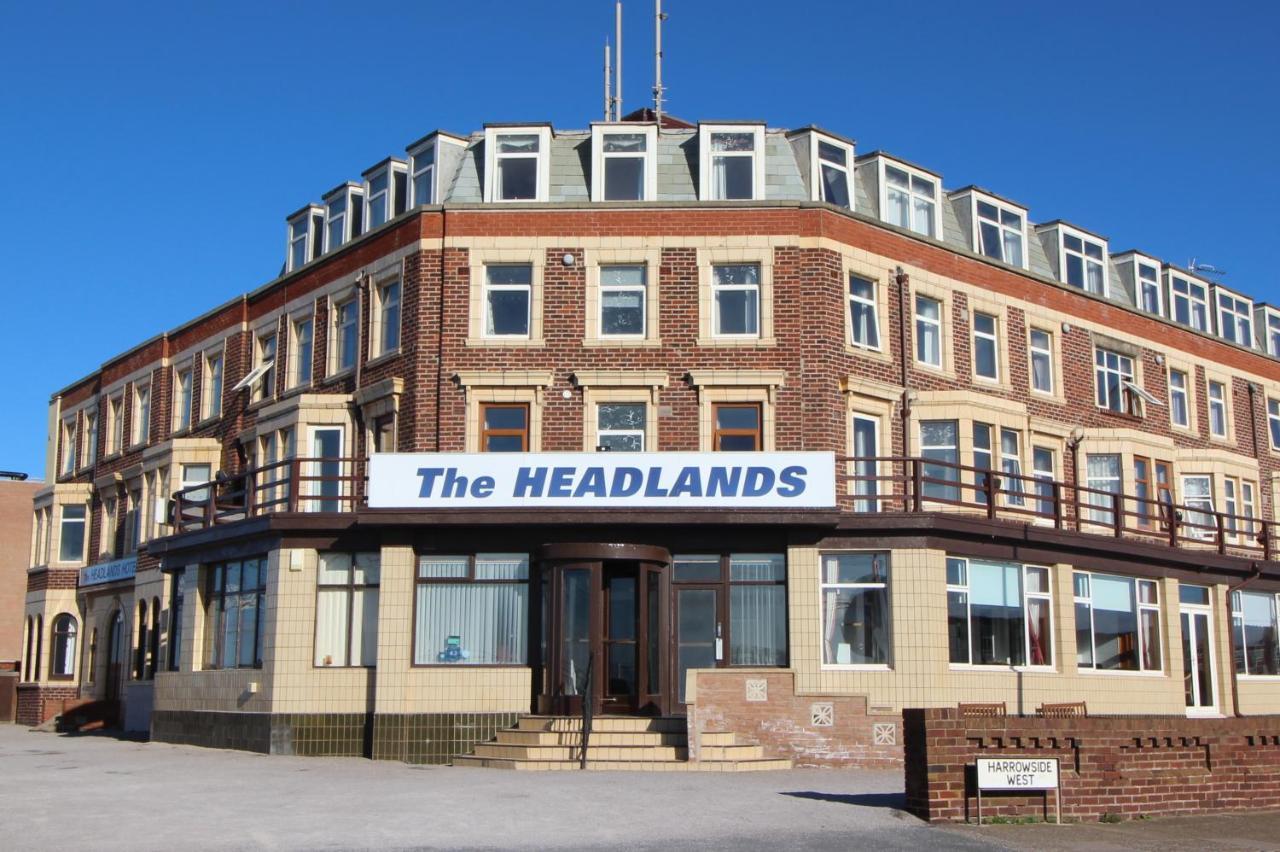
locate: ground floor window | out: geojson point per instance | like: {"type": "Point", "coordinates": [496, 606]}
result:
{"type": "Point", "coordinates": [347, 609]}
{"type": "Point", "coordinates": [471, 610]}
{"type": "Point", "coordinates": [752, 587]}
{"type": "Point", "coordinates": [235, 614]}
{"type": "Point", "coordinates": [175, 619]}
{"type": "Point", "coordinates": [63, 663]}
{"type": "Point", "coordinates": [855, 608]}
{"type": "Point", "coordinates": [999, 613]}
{"type": "Point", "coordinates": [1257, 640]}
{"type": "Point", "coordinates": [1117, 623]}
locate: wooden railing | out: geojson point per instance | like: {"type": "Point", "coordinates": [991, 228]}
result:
{"type": "Point", "coordinates": [914, 485]}
{"type": "Point", "coordinates": [292, 485]}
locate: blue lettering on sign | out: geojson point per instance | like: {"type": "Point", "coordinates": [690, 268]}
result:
{"type": "Point", "coordinates": [690, 481]}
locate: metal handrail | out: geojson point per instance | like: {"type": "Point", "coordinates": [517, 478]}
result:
{"type": "Point", "coordinates": [588, 700]}
{"type": "Point", "coordinates": [917, 484]}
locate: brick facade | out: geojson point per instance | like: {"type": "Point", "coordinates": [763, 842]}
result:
{"type": "Point", "coordinates": [1127, 767]}
{"type": "Point", "coordinates": [39, 703]}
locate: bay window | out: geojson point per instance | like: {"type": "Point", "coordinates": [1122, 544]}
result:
{"type": "Point", "coordinates": [1117, 623]}
{"type": "Point", "coordinates": [71, 533]}
{"type": "Point", "coordinates": [471, 610]}
{"type": "Point", "coordinates": [1197, 495]}
{"type": "Point", "coordinates": [1102, 471]}
{"type": "Point", "coordinates": [998, 613]}
{"type": "Point", "coordinates": [939, 444]}
{"type": "Point", "coordinates": [347, 609]}
{"type": "Point", "coordinates": [235, 614]}
{"type": "Point", "coordinates": [855, 609]}
{"type": "Point", "coordinates": [1042, 468]}
{"type": "Point", "coordinates": [1257, 639]}
{"type": "Point", "coordinates": [866, 448]}
{"type": "Point", "coordinates": [62, 662]}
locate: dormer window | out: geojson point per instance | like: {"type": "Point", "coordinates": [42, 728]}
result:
{"type": "Point", "coordinates": [732, 162]}
{"type": "Point", "coordinates": [387, 191]}
{"type": "Point", "coordinates": [424, 174]}
{"type": "Point", "coordinates": [1148, 285]}
{"type": "Point", "coordinates": [999, 227]}
{"type": "Point", "coordinates": [834, 174]}
{"type": "Point", "coordinates": [1189, 300]}
{"type": "Point", "coordinates": [1272, 341]}
{"type": "Point", "coordinates": [343, 215]}
{"type": "Point", "coordinates": [624, 166]}
{"type": "Point", "coordinates": [517, 163]}
{"type": "Point", "coordinates": [1084, 260]}
{"type": "Point", "coordinates": [909, 198]}
{"type": "Point", "coordinates": [427, 157]}
{"type": "Point", "coordinates": [1235, 318]}
{"type": "Point", "coordinates": [306, 228]}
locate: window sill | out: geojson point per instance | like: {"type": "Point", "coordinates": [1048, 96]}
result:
{"type": "Point", "coordinates": [382, 358]}
{"type": "Point", "coordinates": [468, 666]}
{"type": "Point", "coordinates": [1046, 396]}
{"type": "Point", "coordinates": [992, 669]}
{"type": "Point", "coordinates": [1258, 678]}
{"type": "Point", "coordinates": [1223, 440]}
{"type": "Point", "coordinates": [932, 370]}
{"type": "Point", "coordinates": [855, 667]}
{"type": "Point", "coordinates": [757, 342]}
{"type": "Point", "coordinates": [334, 376]}
{"type": "Point", "coordinates": [621, 342]}
{"type": "Point", "coordinates": [504, 342]}
{"type": "Point", "coordinates": [259, 404]}
{"type": "Point", "coordinates": [209, 420]}
{"type": "Point", "coordinates": [866, 352]}
{"type": "Point", "coordinates": [1117, 673]}
{"type": "Point", "coordinates": [317, 667]}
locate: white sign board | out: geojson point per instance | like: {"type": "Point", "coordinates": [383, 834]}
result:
{"type": "Point", "coordinates": [1017, 773]}
{"type": "Point", "coordinates": [587, 480]}
{"type": "Point", "coordinates": [108, 572]}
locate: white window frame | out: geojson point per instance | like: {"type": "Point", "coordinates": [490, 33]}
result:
{"type": "Point", "coordinates": [1273, 422]}
{"type": "Point", "coordinates": [487, 286]}
{"type": "Point", "coordinates": [259, 390]}
{"type": "Point", "coordinates": [141, 431]}
{"type": "Point", "coordinates": [1204, 530]}
{"type": "Point", "coordinates": [1086, 239]}
{"type": "Point", "coordinates": [381, 303]}
{"type": "Point", "coordinates": [599, 132]}
{"type": "Point", "coordinates": [1127, 401]}
{"type": "Point", "coordinates": [210, 390]}
{"type": "Point", "coordinates": [1141, 284]}
{"type": "Point", "coordinates": [1270, 331]}
{"type": "Point", "coordinates": [717, 288]}
{"type": "Point", "coordinates": [939, 324]}
{"type": "Point", "coordinates": [865, 490]}
{"type": "Point", "coordinates": [642, 432]}
{"type": "Point", "coordinates": [993, 338]}
{"type": "Point", "coordinates": [1222, 403]}
{"type": "Point", "coordinates": [1044, 479]}
{"type": "Point", "coordinates": [67, 465]}
{"type": "Point", "coordinates": [1002, 207]}
{"type": "Point", "coordinates": [818, 186]}
{"type": "Point", "coordinates": [336, 347]}
{"type": "Point", "coordinates": [886, 584]}
{"type": "Point", "coordinates": [183, 415]}
{"type": "Point", "coordinates": [295, 379]}
{"type": "Point", "coordinates": [1190, 285]}
{"type": "Point", "coordinates": [83, 521]}
{"type": "Point", "coordinates": [1026, 622]}
{"type": "Point", "coordinates": [1139, 607]}
{"type": "Point", "coordinates": [311, 237]}
{"type": "Point", "coordinates": [868, 304]}
{"type": "Point", "coordinates": [433, 143]}
{"type": "Point", "coordinates": [1045, 352]}
{"type": "Point", "coordinates": [1235, 316]}
{"type": "Point", "coordinates": [543, 156]}
{"type": "Point", "coordinates": [92, 425]}
{"type": "Point", "coordinates": [705, 156]}
{"type": "Point", "coordinates": [352, 194]}
{"type": "Point", "coordinates": [392, 199]}
{"type": "Point", "coordinates": [642, 288]}
{"type": "Point", "coordinates": [1237, 631]}
{"type": "Point", "coordinates": [115, 421]}
{"type": "Point", "coordinates": [884, 164]}
{"type": "Point", "coordinates": [1185, 393]}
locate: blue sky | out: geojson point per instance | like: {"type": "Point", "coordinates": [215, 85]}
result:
{"type": "Point", "coordinates": [152, 150]}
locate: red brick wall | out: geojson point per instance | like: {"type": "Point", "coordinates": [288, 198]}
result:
{"type": "Point", "coordinates": [784, 723]}
{"type": "Point", "coordinates": [1125, 766]}
{"type": "Point", "coordinates": [38, 704]}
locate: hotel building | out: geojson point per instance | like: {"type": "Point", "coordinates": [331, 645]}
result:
{"type": "Point", "coordinates": [1052, 467]}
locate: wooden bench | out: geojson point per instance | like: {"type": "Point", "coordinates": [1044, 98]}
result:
{"type": "Point", "coordinates": [1068, 710]}
{"type": "Point", "coordinates": [992, 710]}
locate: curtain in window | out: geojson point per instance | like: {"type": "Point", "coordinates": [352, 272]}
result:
{"type": "Point", "coordinates": [1095, 284]}
{"type": "Point", "coordinates": [1150, 619]}
{"type": "Point", "coordinates": [331, 627]}
{"type": "Point", "coordinates": [1040, 634]}
{"type": "Point", "coordinates": [1103, 475]}
{"type": "Point", "coordinates": [758, 625]}
{"type": "Point", "coordinates": [1041, 372]}
{"type": "Point", "coordinates": [488, 621]}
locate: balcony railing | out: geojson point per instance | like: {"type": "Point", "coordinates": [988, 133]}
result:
{"type": "Point", "coordinates": [913, 485]}
{"type": "Point", "coordinates": [884, 484]}
{"type": "Point", "coordinates": [292, 485]}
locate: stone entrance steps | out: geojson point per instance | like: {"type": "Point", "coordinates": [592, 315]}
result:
{"type": "Point", "coordinates": [616, 743]}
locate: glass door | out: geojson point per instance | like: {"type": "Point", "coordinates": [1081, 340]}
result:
{"type": "Point", "coordinates": [699, 633]}
{"type": "Point", "coordinates": [654, 639]}
{"type": "Point", "coordinates": [1198, 663]}
{"type": "Point", "coordinates": [115, 656]}
{"type": "Point", "coordinates": [621, 675]}
{"type": "Point", "coordinates": [573, 646]}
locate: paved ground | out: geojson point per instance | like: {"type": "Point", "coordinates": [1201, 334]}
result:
{"type": "Point", "coordinates": [59, 792]}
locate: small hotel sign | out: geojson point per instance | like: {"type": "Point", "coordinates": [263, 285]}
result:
{"type": "Point", "coordinates": [581, 480]}
{"type": "Point", "coordinates": [108, 572]}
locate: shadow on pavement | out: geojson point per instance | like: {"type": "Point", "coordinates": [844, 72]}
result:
{"type": "Point", "coordinates": [895, 801]}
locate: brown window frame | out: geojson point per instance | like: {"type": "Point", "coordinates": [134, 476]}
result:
{"type": "Point", "coordinates": [486, 433]}
{"type": "Point", "coordinates": [717, 433]}
{"type": "Point", "coordinates": [469, 579]}
{"type": "Point", "coordinates": [724, 584]}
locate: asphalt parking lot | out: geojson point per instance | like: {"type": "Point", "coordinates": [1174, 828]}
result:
{"type": "Point", "coordinates": [95, 792]}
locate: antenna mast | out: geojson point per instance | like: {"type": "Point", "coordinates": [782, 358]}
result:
{"type": "Point", "coordinates": [658, 89]}
{"type": "Point", "coordinates": [608, 98]}
{"type": "Point", "coordinates": [617, 68]}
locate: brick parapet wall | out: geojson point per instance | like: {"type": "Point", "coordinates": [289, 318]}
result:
{"type": "Point", "coordinates": [38, 703]}
{"type": "Point", "coordinates": [810, 730]}
{"type": "Point", "coordinates": [1126, 766]}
